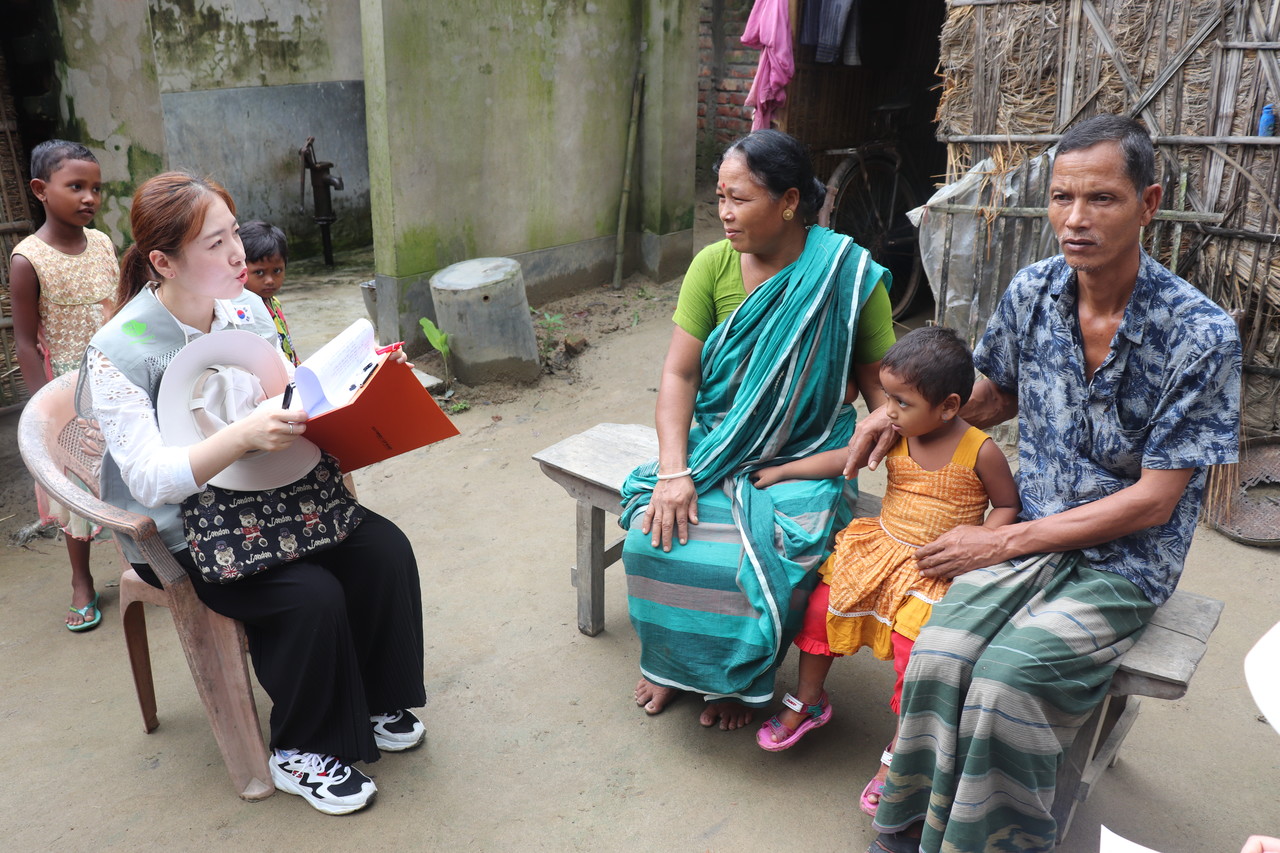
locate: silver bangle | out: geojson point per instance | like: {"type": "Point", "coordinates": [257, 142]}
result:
{"type": "Point", "coordinates": [677, 475]}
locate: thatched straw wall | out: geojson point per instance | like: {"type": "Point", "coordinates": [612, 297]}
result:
{"type": "Point", "coordinates": [1197, 73]}
{"type": "Point", "coordinates": [15, 223]}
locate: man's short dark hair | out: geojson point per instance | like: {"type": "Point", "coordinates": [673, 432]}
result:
{"type": "Point", "coordinates": [262, 240]}
{"type": "Point", "coordinates": [1139, 153]}
{"type": "Point", "coordinates": [933, 360]}
{"type": "Point", "coordinates": [50, 154]}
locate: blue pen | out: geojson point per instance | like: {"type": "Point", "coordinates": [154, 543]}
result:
{"type": "Point", "coordinates": [288, 396]}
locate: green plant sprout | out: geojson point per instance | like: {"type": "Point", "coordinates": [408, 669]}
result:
{"type": "Point", "coordinates": [440, 343]}
{"type": "Point", "coordinates": [550, 329]}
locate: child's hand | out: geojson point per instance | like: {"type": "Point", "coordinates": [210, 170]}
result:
{"type": "Point", "coordinates": [766, 477]}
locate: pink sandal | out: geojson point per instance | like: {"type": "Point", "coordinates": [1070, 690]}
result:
{"type": "Point", "coordinates": [817, 715]}
{"type": "Point", "coordinates": [874, 788]}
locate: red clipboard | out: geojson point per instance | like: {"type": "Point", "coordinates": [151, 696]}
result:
{"type": "Point", "coordinates": [391, 414]}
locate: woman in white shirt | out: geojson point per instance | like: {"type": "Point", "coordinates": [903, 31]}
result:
{"type": "Point", "coordinates": [335, 637]}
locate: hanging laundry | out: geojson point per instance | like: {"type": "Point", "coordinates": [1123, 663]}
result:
{"type": "Point", "coordinates": [810, 17]}
{"type": "Point", "coordinates": [833, 19]}
{"type": "Point", "coordinates": [853, 34]}
{"type": "Point", "coordinates": [769, 29]}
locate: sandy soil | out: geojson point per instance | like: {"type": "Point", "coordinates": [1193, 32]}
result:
{"type": "Point", "coordinates": [533, 740]}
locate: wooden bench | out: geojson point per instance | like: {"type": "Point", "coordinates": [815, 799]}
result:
{"type": "Point", "coordinates": [592, 465]}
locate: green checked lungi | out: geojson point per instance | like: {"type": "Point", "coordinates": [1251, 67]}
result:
{"type": "Point", "coordinates": [1012, 663]}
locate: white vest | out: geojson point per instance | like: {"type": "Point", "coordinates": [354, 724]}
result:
{"type": "Point", "coordinates": [141, 339]}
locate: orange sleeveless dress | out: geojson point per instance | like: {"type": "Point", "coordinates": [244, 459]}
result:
{"type": "Point", "coordinates": [876, 589]}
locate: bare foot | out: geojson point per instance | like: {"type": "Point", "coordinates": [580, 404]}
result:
{"type": "Point", "coordinates": [654, 697]}
{"type": "Point", "coordinates": [730, 715]}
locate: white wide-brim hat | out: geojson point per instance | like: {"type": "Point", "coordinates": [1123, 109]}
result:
{"type": "Point", "coordinates": [216, 380]}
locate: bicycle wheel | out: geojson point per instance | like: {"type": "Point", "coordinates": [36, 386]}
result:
{"type": "Point", "coordinates": [868, 198]}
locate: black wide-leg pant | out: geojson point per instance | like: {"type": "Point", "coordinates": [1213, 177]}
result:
{"type": "Point", "coordinates": [334, 637]}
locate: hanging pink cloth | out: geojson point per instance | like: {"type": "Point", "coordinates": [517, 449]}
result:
{"type": "Point", "coordinates": [769, 29]}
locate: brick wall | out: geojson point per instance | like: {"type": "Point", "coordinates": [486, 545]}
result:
{"type": "Point", "coordinates": [725, 71]}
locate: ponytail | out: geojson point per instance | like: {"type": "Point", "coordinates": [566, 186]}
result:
{"type": "Point", "coordinates": [135, 272]}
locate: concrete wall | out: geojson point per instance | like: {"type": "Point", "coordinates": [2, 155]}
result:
{"type": "Point", "coordinates": [111, 98]}
{"type": "Point", "coordinates": [490, 128]}
{"type": "Point", "coordinates": [263, 175]}
{"type": "Point", "coordinates": [228, 88]}
{"type": "Point", "coordinates": [499, 129]}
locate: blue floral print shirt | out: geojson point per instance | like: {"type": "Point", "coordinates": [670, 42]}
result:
{"type": "Point", "coordinates": [1167, 396]}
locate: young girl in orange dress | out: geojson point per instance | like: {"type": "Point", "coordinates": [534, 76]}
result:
{"type": "Point", "coordinates": [941, 474]}
{"type": "Point", "coordinates": [61, 281]}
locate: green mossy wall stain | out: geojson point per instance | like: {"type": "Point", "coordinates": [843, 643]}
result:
{"type": "Point", "coordinates": [199, 46]}
{"type": "Point", "coordinates": [682, 218]}
{"type": "Point", "coordinates": [428, 248]}
{"type": "Point", "coordinates": [143, 164]}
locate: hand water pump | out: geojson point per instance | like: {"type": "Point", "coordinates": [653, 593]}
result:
{"type": "Point", "coordinates": [321, 183]}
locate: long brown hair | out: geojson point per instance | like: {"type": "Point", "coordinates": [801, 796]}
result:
{"type": "Point", "coordinates": [168, 212]}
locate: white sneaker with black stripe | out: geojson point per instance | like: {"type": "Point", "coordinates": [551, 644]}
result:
{"type": "Point", "coordinates": [322, 780]}
{"type": "Point", "coordinates": [397, 731]}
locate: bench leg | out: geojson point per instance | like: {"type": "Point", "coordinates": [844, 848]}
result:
{"type": "Point", "coordinates": [588, 574]}
{"type": "Point", "coordinates": [1093, 751]}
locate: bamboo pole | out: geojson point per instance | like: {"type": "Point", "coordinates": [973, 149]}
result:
{"type": "Point", "coordinates": [1163, 139]}
{"type": "Point", "coordinates": [632, 129]}
{"type": "Point", "coordinates": [20, 226]}
{"type": "Point", "coordinates": [1032, 212]}
{"type": "Point", "coordinates": [1177, 228]}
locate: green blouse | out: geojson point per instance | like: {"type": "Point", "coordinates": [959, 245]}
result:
{"type": "Point", "coordinates": [713, 287]}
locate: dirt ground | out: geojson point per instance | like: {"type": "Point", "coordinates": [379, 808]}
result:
{"type": "Point", "coordinates": [534, 742]}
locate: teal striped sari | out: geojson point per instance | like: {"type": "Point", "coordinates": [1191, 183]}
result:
{"type": "Point", "coordinates": [716, 615]}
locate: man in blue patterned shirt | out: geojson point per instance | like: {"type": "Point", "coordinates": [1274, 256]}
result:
{"type": "Point", "coordinates": [1125, 380]}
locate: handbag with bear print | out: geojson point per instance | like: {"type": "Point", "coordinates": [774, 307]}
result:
{"type": "Point", "coordinates": [233, 535]}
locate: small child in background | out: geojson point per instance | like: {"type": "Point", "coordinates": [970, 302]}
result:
{"type": "Point", "coordinates": [267, 254]}
{"type": "Point", "coordinates": [61, 282]}
{"type": "Point", "coordinates": [942, 473]}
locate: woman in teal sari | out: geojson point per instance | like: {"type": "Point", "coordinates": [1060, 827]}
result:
{"type": "Point", "coordinates": [777, 328]}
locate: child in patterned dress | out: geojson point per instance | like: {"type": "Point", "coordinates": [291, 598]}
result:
{"type": "Point", "coordinates": [61, 281]}
{"type": "Point", "coordinates": [267, 253]}
{"type": "Point", "coordinates": [941, 474]}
